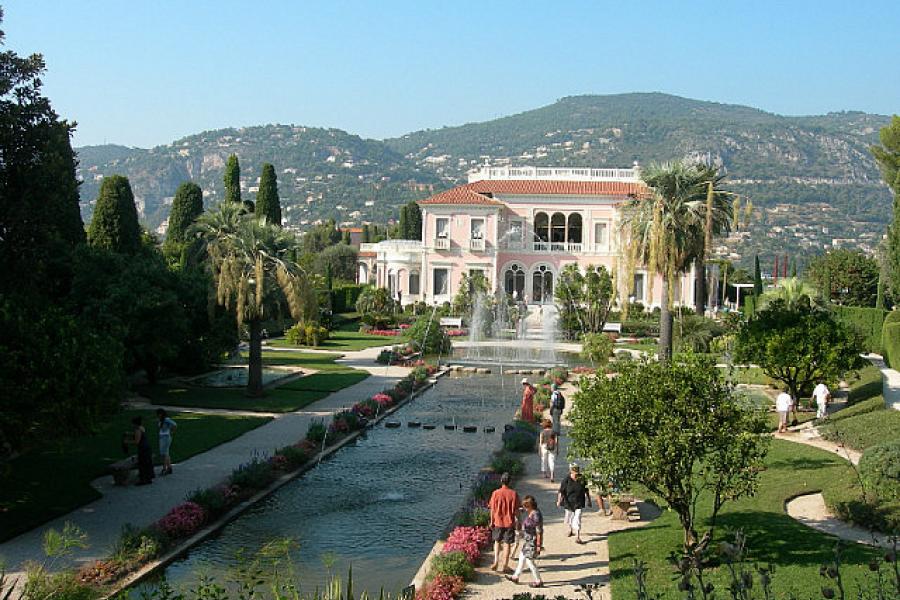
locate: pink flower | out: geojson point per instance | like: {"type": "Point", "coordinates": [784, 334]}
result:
{"type": "Point", "coordinates": [383, 400]}
{"type": "Point", "coordinates": [468, 540]}
{"type": "Point", "coordinates": [183, 520]}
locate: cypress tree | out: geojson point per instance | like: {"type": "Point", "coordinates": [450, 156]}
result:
{"type": "Point", "coordinates": [267, 203]}
{"type": "Point", "coordinates": [826, 285]}
{"type": "Point", "coordinates": [366, 234]}
{"type": "Point", "coordinates": [114, 225]}
{"type": "Point", "coordinates": [187, 206]}
{"type": "Point", "coordinates": [757, 278]}
{"type": "Point", "coordinates": [879, 297]}
{"type": "Point", "coordinates": [415, 221]}
{"type": "Point", "coordinates": [232, 179]}
{"type": "Point", "coordinates": [888, 157]}
{"type": "Point", "coordinates": [404, 222]}
{"type": "Point", "coordinates": [794, 267]}
{"type": "Point", "coordinates": [346, 239]}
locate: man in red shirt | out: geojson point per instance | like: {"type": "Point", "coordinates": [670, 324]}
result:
{"type": "Point", "coordinates": [503, 505]}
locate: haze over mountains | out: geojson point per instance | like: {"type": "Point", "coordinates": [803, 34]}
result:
{"type": "Point", "coordinates": [812, 180]}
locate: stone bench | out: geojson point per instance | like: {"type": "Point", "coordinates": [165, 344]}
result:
{"type": "Point", "coordinates": [121, 470]}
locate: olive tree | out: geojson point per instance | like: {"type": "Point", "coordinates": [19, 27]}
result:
{"type": "Point", "coordinates": [675, 428]}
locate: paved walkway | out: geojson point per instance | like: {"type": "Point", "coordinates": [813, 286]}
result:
{"type": "Point", "coordinates": [104, 518]}
{"type": "Point", "coordinates": [564, 566]}
{"type": "Point", "coordinates": [812, 511]}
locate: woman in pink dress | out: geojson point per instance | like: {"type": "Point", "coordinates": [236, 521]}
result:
{"type": "Point", "coordinates": [527, 409]}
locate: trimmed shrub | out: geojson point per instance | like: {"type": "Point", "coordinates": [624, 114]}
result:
{"type": "Point", "coordinates": [452, 564]}
{"type": "Point", "coordinates": [344, 297]}
{"type": "Point", "coordinates": [864, 430]}
{"type": "Point", "coordinates": [504, 462]}
{"type": "Point", "coordinates": [890, 343]}
{"type": "Point", "coordinates": [640, 328]}
{"type": "Point", "coordinates": [879, 468]}
{"type": "Point", "coordinates": [867, 321]}
{"type": "Point", "coordinates": [306, 334]}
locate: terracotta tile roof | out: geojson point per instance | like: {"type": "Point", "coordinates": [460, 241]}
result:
{"type": "Point", "coordinates": [461, 195]}
{"type": "Point", "coordinates": [479, 191]}
{"type": "Point", "coordinates": [562, 188]}
{"type": "Point", "coordinates": [367, 254]}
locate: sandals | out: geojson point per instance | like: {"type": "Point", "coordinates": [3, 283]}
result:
{"type": "Point", "coordinates": [536, 584]}
{"type": "Point", "coordinates": [511, 578]}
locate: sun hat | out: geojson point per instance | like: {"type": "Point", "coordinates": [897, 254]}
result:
{"type": "Point", "coordinates": [575, 468]}
{"type": "Point", "coordinates": [524, 380]}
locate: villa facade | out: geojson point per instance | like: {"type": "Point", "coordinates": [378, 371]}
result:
{"type": "Point", "coordinates": [519, 226]}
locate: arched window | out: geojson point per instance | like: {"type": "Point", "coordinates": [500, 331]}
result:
{"type": "Point", "coordinates": [514, 281]}
{"type": "Point", "coordinates": [542, 285]}
{"type": "Point", "coordinates": [573, 233]}
{"type": "Point", "coordinates": [541, 227]}
{"type": "Point", "coordinates": [558, 228]}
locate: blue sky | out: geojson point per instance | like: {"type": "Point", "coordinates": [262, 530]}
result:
{"type": "Point", "coordinates": [142, 73]}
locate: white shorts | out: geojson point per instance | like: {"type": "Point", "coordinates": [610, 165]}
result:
{"type": "Point", "coordinates": [573, 519]}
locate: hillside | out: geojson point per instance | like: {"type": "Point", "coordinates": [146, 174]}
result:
{"type": "Point", "coordinates": [811, 179]}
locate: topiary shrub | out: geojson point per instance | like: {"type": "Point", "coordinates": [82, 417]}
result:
{"type": "Point", "coordinates": [879, 468]}
{"type": "Point", "coordinates": [890, 342]}
{"type": "Point", "coordinates": [452, 564]}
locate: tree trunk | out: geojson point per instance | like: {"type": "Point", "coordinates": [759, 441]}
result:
{"type": "Point", "coordinates": [700, 287]}
{"type": "Point", "coordinates": [665, 324]}
{"type": "Point", "coordinates": [254, 378]}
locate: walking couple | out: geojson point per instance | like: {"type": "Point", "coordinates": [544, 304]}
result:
{"type": "Point", "coordinates": [509, 518]}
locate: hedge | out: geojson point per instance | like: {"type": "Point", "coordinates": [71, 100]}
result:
{"type": "Point", "coordinates": [343, 297]}
{"type": "Point", "coordinates": [879, 468]}
{"type": "Point", "coordinates": [890, 342]}
{"type": "Point", "coordinates": [867, 321]}
{"type": "Point", "coordinates": [863, 430]}
{"type": "Point", "coordinates": [867, 384]}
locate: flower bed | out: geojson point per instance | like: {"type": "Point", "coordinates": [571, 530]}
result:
{"type": "Point", "coordinates": [138, 546]}
{"type": "Point", "coordinates": [385, 332]}
{"type": "Point", "coordinates": [457, 333]}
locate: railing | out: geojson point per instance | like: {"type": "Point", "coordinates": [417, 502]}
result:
{"type": "Point", "coordinates": [476, 245]}
{"type": "Point", "coordinates": [566, 247]}
{"type": "Point", "coordinates": [555, 173]}
{"type": "Point", "coordinates": [441, 243]}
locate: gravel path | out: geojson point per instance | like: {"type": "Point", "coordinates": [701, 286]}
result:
{"type": "Point", "coordinates": [104, 518]}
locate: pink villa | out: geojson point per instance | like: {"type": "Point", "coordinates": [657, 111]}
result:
{"type": "Point", "coordinates": [519, 226]}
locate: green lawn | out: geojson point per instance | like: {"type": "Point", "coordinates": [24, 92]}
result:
{"type": "Point", "coordinates": [285, 398]}
{"type": "Point", "coordinates": [864, 424]}
{"type": "Point", "coordinates": [49, 481]}
{"type": "Point", "coordinates": [864, 385]}
{"type": "Point", "coordinates": [276, 400]}
{"type": "Point", "coordinates": [773, 537]}
{"type": "Point", "coordinates": [345, 337]}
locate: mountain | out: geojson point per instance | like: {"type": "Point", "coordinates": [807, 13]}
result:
{"type": "Point", "coordinates": [811, 180]}
{"type": "Point", "coordinates": [321, 172]}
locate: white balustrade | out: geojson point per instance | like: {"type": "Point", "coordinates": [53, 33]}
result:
{"type": "Point", "coordinates": [476, 245]}
{"type": "Point", "coordinates": [441, 243]}
{"type": "Point", "coordinates": [555, 174]}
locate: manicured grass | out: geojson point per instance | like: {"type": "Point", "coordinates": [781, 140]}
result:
{"type": "Point", "coordinates": [331, 381]}
{"type": "Point", "coordinates": [345, 337]}
{"type": "Point", "coordinates": [54, 479]}
{"type": "Point", "coordinates": [275, 400]}
{"type": "Point", "coordinates": [319, 361]}
{"type": "Point", "coordinates": [871, 424]}
{"type": "Point", "coordinates": [864, 385]}
{"type": "Point", "coordinates": [750, 375]}
{"type": "Point", "coordinates": [773, 537]}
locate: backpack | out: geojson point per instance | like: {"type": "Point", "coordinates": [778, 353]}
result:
{"type": "Point", "coordinates": [558, 401]}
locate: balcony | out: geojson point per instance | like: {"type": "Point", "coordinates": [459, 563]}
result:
{"type": "Point", "coordinates": [476, 245]}
{"type": "Point", "coordinates": [441, 243]}
{"type": "Point", "coordinates": [564, 247]}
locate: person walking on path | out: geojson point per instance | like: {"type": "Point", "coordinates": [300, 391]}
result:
{"type": "Point", "coordinates": [783, 403]}
{"type": "Point", "coordinates": [504, 504]}
{"type": "Point", "coordinates": [573, 495]}
{"type": "Point", "coordinates": [532, 539]}
{"type": "Point", "coordinates": [557, 405]}
{"type": "Point", "coordinates": [548, 447]}
{"type": "Point", "coordinates": [822, 395]}
{"type": "Point", "coordinates": [166, 428]}
{"type": "Point", "coordinates": [527, 408]}
{"type": "Point", "coordinates": [144, 453]}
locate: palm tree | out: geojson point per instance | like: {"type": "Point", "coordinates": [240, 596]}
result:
{"type": "Point", "coordinates": [673, 226]}
{"type": "Point", "coordinates": [792, 291]}
{"type": "Point", "coordinates": [252, 274]}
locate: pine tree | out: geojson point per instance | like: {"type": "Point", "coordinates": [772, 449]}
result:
{"type": "Point", "coordinates": [187, 206]}
{"type": "Point", "coordinates": [757, 278]}
{"type": "Point", "coordinates": [114, 225]}
{"type": "Point", "coordinates": [267, 203]}
{"type": "Point", "coordinates": [232, 179]}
